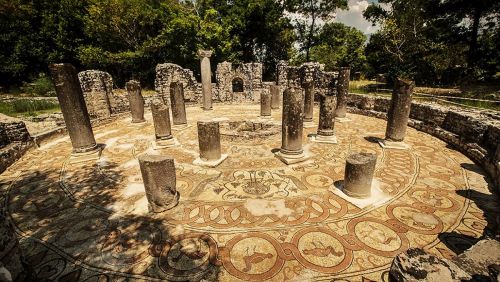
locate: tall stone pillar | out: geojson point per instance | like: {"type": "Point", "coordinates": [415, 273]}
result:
{"type": "Point", "coordinates": [158, 174]}
{"type": "Point", "coordinates": [399, 111]}
{"type": "Point", "coordinates": [308, 102]}
{"type": "Point", "coordinates": [72, 103]}
{"type": "Point", "coordinates": [177, 103]}
{"type": "Point", "coordinates": [342, 92]}
{"type": "Point", "coordinates": [206, 78]}
{"type": "Point", "coordinates": [209, 144]}
{"type": "Point", "coordinates": [136, 101]}
{"type": "Point", "coordinates": [265, 105]}
{"type": "Point", "coordinates": [292, 127]}
{"type": "Point", "coordinates": [359, 171]}
{"type": "Point", "coordinates": [275, 96]}
{"type": "Point", "coordinates": [161, 120]}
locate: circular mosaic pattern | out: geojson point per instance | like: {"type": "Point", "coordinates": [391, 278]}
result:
{"type": "Point", "coordinates": [251, 218]}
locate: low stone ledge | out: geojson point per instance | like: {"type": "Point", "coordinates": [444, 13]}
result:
{"type": "Point", "coordinates": [13, 152]}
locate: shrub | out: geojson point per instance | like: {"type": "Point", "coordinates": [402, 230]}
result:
{"type": "Point", "coordinates": [42, 86]}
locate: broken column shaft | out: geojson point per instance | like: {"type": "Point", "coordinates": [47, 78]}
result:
{"type": "Point", "coordinates": [73, 107]}
{"type": "Point", "coordinates": [177, 103]}
{"type": "Point", "coordinates": [265, 104]}
{"type": "Point", "coordinates": [399, 110]}
{"type": "Point", "coordinates": [342, 92]}
{"type": "Point", "coordinates": [292, 122]}
{"type": "Point", "coordinates": [206, 78]}
{"type": "Point", "coordinates": [275, 96]}
{"type": "Point", "coordinates": [327, 115]}
{"type": "Point", "coordinates": [209, 140]}
{"type": "Point", "coordinates": [158, 174]}
{"type": "Point", "coordinates": [136, 101]}
{"type": "Point", "coordinates": [359, 171]}
{"type": "Point", "coordinates": [308, 102]}
{"type": "Point", "coordinates": [161, 120]}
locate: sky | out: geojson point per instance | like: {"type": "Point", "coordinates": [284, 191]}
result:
{"type": "Point", "coordinates": [354, 16]}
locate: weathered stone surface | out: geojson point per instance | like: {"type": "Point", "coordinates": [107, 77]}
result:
{"type": "Point", "coordinates": [327, 106]}
{"type": "Point", "coordinates": [158, 174]}
{"type": "Point", "coordinates": [206, 78]}
{"type": "Point", "coordinates": [399, 112]}
{"type": "Point", "coordinates": [177, 103]}
{"type": "Point", "coordinates": [292, 122]}
{"type": "Point", "coordinates": [476, 259]}
{"type": "Point", "coordinates": [13, 132]}
{"type": "Point", "coordinates": [209, 140]}
{"type": "Point", "coordinates": [136, 101]}
{"type": "Point", "coordinates": [470, 128]}
{"type": "Point", "coordinates": [73, 107]}
{"type": "Point", "coordinates": [248, 74]}
{"type": "Point", "coordinates": [416, 265]}
{"type": "Point", "coordinates": [265, 104]}
{"type": "Point", "coordinates": [97, 87]}
{"type": "Point", "coordinates": [168, 73]}
{"type": "Point", "coordinates": [161, 120]}
{"type": "Point", "coordinates": [308, 102]}
{"type": "Point", "coordinates": [342, 91]}
{"type": "Point", "coordinates": [359, 169]}
{"type": "Point", "coordinates": [275, 96]}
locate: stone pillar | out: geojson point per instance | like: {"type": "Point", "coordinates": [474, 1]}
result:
{"type": "Point", "coordinates": [399, 111]}
{"type": "Point", "coordinates": [292, 122]}
{"type": "Point", "coordinates": [136, 101]}
{"type": "Point", "coordinates": [209, 140]}
{"type": "Point", "coordinates": [177, 103]}
{"type": "Point", "coordinates": [161, 120]}
{"type": "Point", "coordinates": [265, 104]}
{"type": "Point", "coordinates": [206, 78]}
{"type": "Point", "coordinates": [308, 102]}
{"type": "Point", "coordinates": [158, 174]}
{"type": "Point", "coordinates": [72, 103]}
{"type": "Point", "coordinates": [275, 96]}
{"type": "Point", "coordinates": [327, 115]}
{"type": "Point", "coordinates": [342, 92]}
{"type": "Point", "coordinates": [359, 171]}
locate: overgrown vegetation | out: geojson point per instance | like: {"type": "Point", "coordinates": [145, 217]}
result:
{"type": "Point", "coordinates": [27, 107]}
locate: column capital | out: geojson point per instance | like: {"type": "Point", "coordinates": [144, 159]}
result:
{"type": "Point", "coordinates": [204, 53]}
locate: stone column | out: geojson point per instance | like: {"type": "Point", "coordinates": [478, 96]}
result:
{"type": "Point", "coordinates": [399, 111]}
{"type": "Point", "coordinates": [292, 122]}
{"type": "Point", "coordinates": [206, 78]}
{"type": "Point", "coordinates": [308, 102]}
{"type": "Point", "coordinates": [275, 96]}
{"type": "Point", "coordinates": [158, 174]}
{"type": "Point", "coordinates": [265, 104]}
{"type": "Point", "coordinates": [342, 92]}
{"type": "Point", "coordinates": [136, 101]}
{"type": "Point", "coordinates": [72, 103]}
{"type": "Point", "coordinates": [161, 120]}
{"type": "Point", "coordinates": [209, 140]}
{"type": "Point", "coordinates": [327, 118]}
{"type": "Point", "coordinates": [177, 103]}
{"type": "Point", "coordinates": [359, 171]}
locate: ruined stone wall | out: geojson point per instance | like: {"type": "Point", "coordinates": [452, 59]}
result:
{"type": "Point", "coordinates": [309, 72]}
{"type": "Point", "coordinates": [474, 133]}
{"type": "Point", "coordinates": [168, 73]}
{"type": "Point", "coordinates": [251, 76]}
{"type": "Point", "coordinates": [97, 89]}
{"type": "Point", "coordinates": [15, 140]}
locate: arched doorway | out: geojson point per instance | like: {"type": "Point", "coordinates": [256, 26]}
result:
{"type": "Point", "coordinates": [237, 85]}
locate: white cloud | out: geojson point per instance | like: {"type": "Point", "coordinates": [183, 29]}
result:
{"type": "Point", "coordinates": [354, 16]}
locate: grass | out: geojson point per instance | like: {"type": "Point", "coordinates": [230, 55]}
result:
{"type": "Point", "coordinates": [28, 107]}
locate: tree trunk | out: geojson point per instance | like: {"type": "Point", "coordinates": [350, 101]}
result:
{"type": "Point", "coordinates": [471, 56]}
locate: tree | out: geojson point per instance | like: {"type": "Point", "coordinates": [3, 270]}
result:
{"type": "Point", "coordinates": [309, 16]}
{"type": "Point", "coordinates": [340, 45]}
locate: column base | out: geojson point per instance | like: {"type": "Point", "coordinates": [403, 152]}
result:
{"type": "Point", "coordinates": [386, 144]}
{"type": "Point", "coordinates": [134, 122]}
{"type": "Point", "coordinates": [167, 143]}
{"type": "Point", "coordinates": [157, 209]}
{"type": "Point", "coordinates": [342, 119]}
{"type": "Point", "coordinates": [331, 139]}
{"type": "Point", "coordinates": [181, 126]}
{"type": "Point", "coordinates": [377, 197]}
{"type": "Point", "coordinates": [292, 158]}
{"type": "Point", "coordinates": [211, 163]}
{"type": "Point", "coordinates": [309, 124]}
{"type": "Point", "coordinates": [265, 117]}
{"type": "Point", "coordinates": [207, 109]}
{"type": "Point", "coordinates": [92, 155]}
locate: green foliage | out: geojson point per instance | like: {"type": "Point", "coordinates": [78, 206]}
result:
{"type": "Point", "coordinates": [340, 45]}
{"type": "Point", "coordinates": [26, 106]}
{"type": "Point", "coordinates": [42, 86]}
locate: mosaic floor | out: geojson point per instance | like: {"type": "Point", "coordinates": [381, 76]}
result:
{"type": "Point", "coordinates": [250, 219]}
